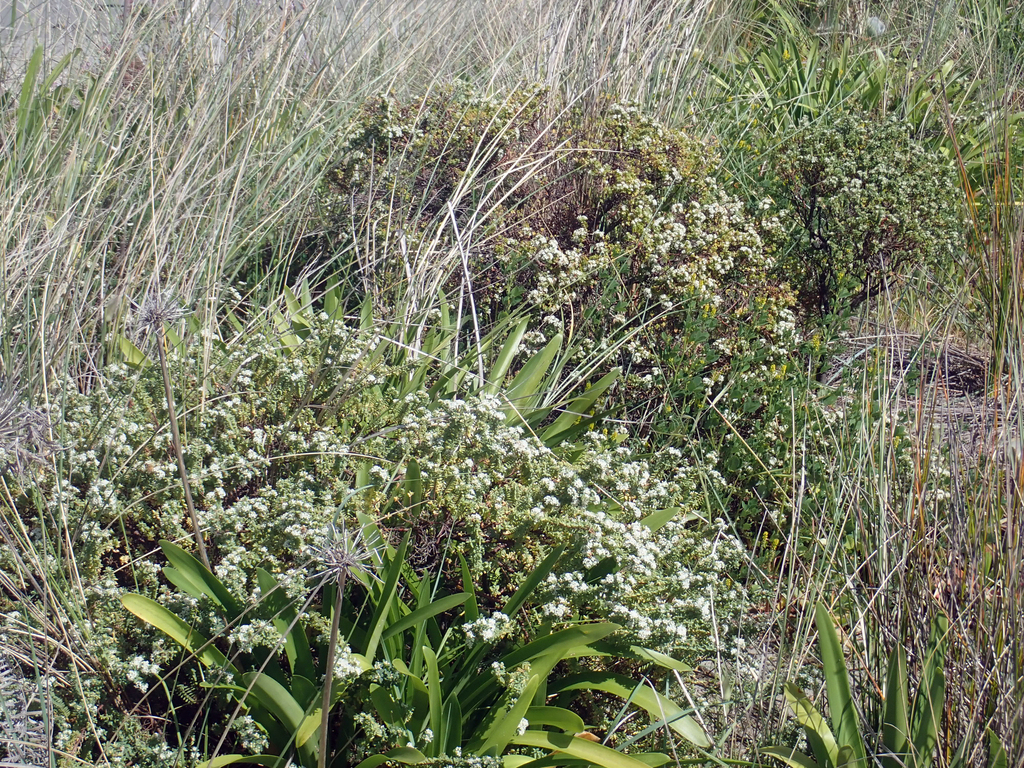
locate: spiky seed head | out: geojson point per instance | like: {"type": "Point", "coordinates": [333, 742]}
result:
{"type": "Point", "coordinates": [343, 554]}
{"type": "Point", "coordinates": [151, 314]}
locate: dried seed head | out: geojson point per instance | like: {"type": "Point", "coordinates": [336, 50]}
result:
{"type": "Point", "coordinates": [24, 432]}
{"type": "Point", "coordinates": [149, 316]}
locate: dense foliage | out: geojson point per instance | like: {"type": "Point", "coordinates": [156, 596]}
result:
{"type": "Point", "coordinates": [364, 405]}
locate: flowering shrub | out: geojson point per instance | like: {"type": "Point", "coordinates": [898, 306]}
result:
{"type": "Point", "coordinates": [507, 496]}
{"type": "Point", "coordinates": [276, 439]}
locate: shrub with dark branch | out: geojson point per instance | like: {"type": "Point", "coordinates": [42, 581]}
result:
{"type": "Point", "coordinates": [872, 204]}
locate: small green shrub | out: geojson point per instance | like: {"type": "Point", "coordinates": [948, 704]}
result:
{"type": "Point", "coordinates": [872, 203]}
{"type": "Point", "coordinates": [612, 233]}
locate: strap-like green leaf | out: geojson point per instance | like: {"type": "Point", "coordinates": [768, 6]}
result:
{"type": "Point", "coordinates": [299, 321]}
{"type": "Point", "coordinates": [451, 735]}
{"type": "Point", "coordinates": [505, 720]}
{"type": "Point", "coordinates": [928, 716]}
{"type": "Point", "coordinates": [658, 519]}
{"type": "Point", "coordinates": [896, 721]}
{"type": "Point", "coordinates": [576, 409]}
{"type": "Point", "coordinates": [846, 758]}
{"type": "Point", "coordinates": [790, 757]}
{"type": "Point", "coordinates": [277, 699]}
{"type": "Point", "coordinates": [433, 682]}
{"type": "Point", "coordinates": [413, 485]}
{"type": "Point", "coordinates": [310, 725]}
{"type": "Point", "coordinates": [285, 619]}
{"type": "Point", "coordinates": [819, 736]}
{"type": "Point", "coordinates": [527, 382]}
{"type": "Point", "coordinates": [531, 582]}
{"type": "Point", "coordinates": [133, 356]}
{"type": "Point", "coordinates": [560, 643]}
{"type": "Point", "coordinates": [426, 612]}
{"type": "Point", "coordinates": [931, 695]}
{"type": "Point", "coordinates": [597, 754]}
{"type": "Point", "coordinates": [334, 302]}
{"type": "Point", "coordinates": [282, 705]}
{"type": "Point", "coordinates": [558, 717]}
{"type": "Point", "coordinates": [386, 595]}
{"type": "Point", "coordinates": [504, 359]}
{"type": "Point", "coordinates": [192, 641]}
{"type": "Point", "coordinates": [199, 577]}
{"type": "Point", "coordinates": [996, 753]}
{"type": "Point", "coordinates": [404, 755]}
{"type": "Point", "coordinates": [656, 705]}
{"type": "Point", "coordinates": [270, 761]}
{"type": "Point", "coordinates": [845, 724]}
{"type": "Point", "coordinates": [469, 587]}
{"type": "Point", "coordinates": [28, 90]}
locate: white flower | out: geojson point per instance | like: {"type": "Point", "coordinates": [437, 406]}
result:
{"type": "Point", "coordinates": [487, 628]}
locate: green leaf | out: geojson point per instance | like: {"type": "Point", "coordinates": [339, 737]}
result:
{"type": "Point", "coordinates": [366, 321]}
{"type": "Point", "coordinates": [527, 382]}
{"type": "Point", "coordinates": [996, 754]}
{"type": "Point", "coordinates": [789, 756]}
{"type": "Point", "coordinates": [657, 520]}
{"type": "Point", "coordinates": [282, 705]}
{"type": "Point", "coordinates": [387, 708]}
{"type": "Point", "coordinates": [896, 722]}
{"type": "Point", "coordinates": [837, 681]}
{"type": "Point", "coordinates": [28, 88]}
{"type": "Point", "coordinates": [289, 340]}
{"type": "Point", "coordinates": [504, 359]}
{"type": "Point", "coordinates": [277, 699]}
{"type": "Point", "coordinates": [286, 620]}
{"type": "Point", "coordinates": [452, 733]}
{"type": "Point", "coordinates": [426, 612]}
{"type": "Point", "coordinates": [559, 643]}
{"type": "Point", "coordinates": [305, 692]}
{"type": "Point", "coordinates": [334, 303]}
{"type": "Point", "coordinates": [651, 759]}
{"type": "Point", "coordinates": [531, 582]}
{"type": "Point", "coordinates": [557, 717]}
{"type": "Point", "coordinates": [928, 711]}
{"type": "Point", "coordinates": [819, 736]}
{"type": "Point", "coordinates": [270, 761]}
{"type": "Point", "coordinates": [657, 706]}
{"type": "Point", "coordinates": [405, 755]}
{"type": "Point", "coordinates": [386, 595]}
{"type": "Point", "coordinates": [132, 355]}
{"type": "Point", "coordinates": [578, 408]}
{"type": "Point", "coordinates": [597, 754]}
{"type": "Point", "coordinates": [433, 682]}
{"type": "Point", "coordinates": [931, 695]}
{"type": "Point", "coordinates": [297, 316]}
{"type": "Point", "coordinates": [413, 485]}
{"type": "Point", "coordinates": [602, 568]}
{"type": "Point", "coordinates": [661, 659]}
{"type": "Point", "coordinates": [200, 579]}
{"type": "Point", "coordinates": [505, 720]}
{"type": "Point", "coordinates": [310, 725]}
{"type": "Point", "coordinates": [192, 641]}
{"type": "Point", "coordinates": [472, 612]}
